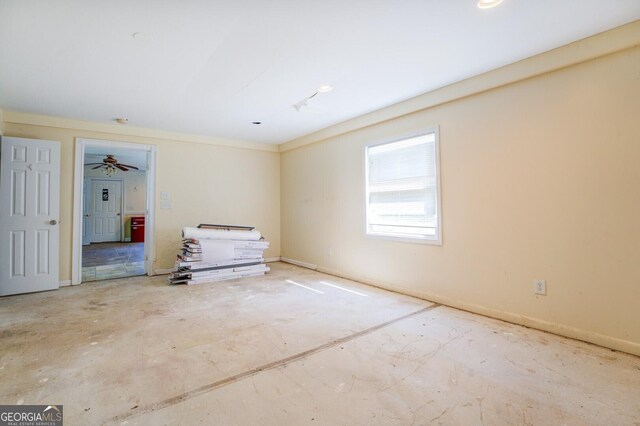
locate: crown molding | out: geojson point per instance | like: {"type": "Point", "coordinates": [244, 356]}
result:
{"type": "Point", "coordinates": [16, 117]}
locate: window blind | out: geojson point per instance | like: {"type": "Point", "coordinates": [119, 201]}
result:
{"type": "Point", "coordinates": [402, 188]}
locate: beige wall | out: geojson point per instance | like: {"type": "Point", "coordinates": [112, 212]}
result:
{"type": "Point", "coordinates": [540, 179]}
{"type": "Point", "coordinates": [207, 183]}
{"type": "Point", "coordinates": [135, 189]}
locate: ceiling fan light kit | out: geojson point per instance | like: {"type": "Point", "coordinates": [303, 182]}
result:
{"type": "Point", "coordinates": [111, 165]}
{"type": "Point", "coordinates": [109, 170]}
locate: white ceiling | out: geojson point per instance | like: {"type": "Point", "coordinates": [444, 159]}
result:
{"type": "Point", "coordinates": [211, 67]}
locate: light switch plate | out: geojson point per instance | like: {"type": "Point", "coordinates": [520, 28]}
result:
{"type": "Point", "coordinates": [540, 287]}
{"type": "Point", "coordinates": [166, 204]}
{"type": "Point", "coordinates": [164, 195]}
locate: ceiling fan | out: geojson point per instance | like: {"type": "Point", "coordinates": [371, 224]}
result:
{"type": "Point", "coordinates": [111, 165]}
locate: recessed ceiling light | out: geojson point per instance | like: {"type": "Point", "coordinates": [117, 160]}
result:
{"type": "Point", "coordinates": [122, 120]}
{"type": "Point", "coordinates": [325, 88]}
{"type": "Point", "coordinates": [488, 4]}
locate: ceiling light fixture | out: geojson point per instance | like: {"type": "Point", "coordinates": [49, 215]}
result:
{"type": "Point", "coordinates": [122, 120]}
{"type": "Point", "coordinates": [256, 122]}
{"type": "Point", "coordinates": [305, 102]}
{"type": "Point", "coordinates": [488, 4]}
{"type": "Point", "coordinates": [109, 170]}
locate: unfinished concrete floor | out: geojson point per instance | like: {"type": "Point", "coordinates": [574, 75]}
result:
{"type": "Point", "coordinates": [276, 352]}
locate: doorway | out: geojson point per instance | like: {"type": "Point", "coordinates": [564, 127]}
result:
{"type": "Point", "coordinates": [113, 210]}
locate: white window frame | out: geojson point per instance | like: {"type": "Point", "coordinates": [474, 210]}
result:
{"type": "Point", "coordinates": [430, 240]}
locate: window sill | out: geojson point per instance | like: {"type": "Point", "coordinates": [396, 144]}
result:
{"type": "Point", "coordinates": [436, 241]}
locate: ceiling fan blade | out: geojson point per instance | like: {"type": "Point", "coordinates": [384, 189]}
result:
{"type": "Point", "coordinates": [97, 167]}
{"type": "Point", "coordinates": [131, 167]}
{"type": "Point", "coordinates": [92, 164]}
{"type": "Point", "coordinates": [121, 167]}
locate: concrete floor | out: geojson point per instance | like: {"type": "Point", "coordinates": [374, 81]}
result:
{"type": "Point", "coordinates": [267, 351]}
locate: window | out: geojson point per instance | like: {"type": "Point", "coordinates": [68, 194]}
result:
{"type": "Point", "coordinates": [402, 188]}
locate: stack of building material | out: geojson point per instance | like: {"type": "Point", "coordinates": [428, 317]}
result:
{"type": "Point", "coordinates": [210, 255]}
{"type": "Point", "coordinates": [191, 251]}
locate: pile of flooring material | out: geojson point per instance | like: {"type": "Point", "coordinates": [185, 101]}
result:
{"type": "Point", "coordinates": [210, 255]}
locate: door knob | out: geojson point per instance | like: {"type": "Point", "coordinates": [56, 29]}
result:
{"type": "Point", "coordinates": [87, 215]}
{"type": "Point", "coordinates": [53, 222]}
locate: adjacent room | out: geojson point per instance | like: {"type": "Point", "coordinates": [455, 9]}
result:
{"type": "Point", "coordinates": [320, 213]}
{"type": "Point", "coordinates": [113, 213]}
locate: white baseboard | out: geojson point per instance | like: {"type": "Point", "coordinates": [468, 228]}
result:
{"type": "Point", "coordinates": [272, 259]}
{"type": "Point", "coordinates": [64, 283]}
{"type": "Point", "coordinates": [511, 317]}
{"type": "Point", "coordinates": [299, 263]}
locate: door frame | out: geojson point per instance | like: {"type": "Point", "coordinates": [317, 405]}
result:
{"type": "Point", "coordinates": [78, 180]}
{"type": "Point", "coordinates": [122, 221]}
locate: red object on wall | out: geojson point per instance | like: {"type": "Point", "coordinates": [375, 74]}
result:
{"type": "Point", "coordinates": [137, 229]}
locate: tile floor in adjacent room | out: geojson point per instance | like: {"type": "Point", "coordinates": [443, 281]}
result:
{"type": "Point", "coordinates": [269, 351]}
{"type": "Point", "coordinates": [103, 261]}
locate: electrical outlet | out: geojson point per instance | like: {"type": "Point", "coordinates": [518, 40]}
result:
{"type": "Point", "coordinates": [330, 252]}
{"type": "Point", "coordinates": [165, 204]}
{"type": "Point", "coordinates": [540, 287]}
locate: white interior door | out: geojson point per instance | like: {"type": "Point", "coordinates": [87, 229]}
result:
{"type": "Point", "coordinates": [29, 214]}
{"type": "Point", "coordinates": [86, 202]}
{"type": "Point", "coordinates": [105, 210]}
